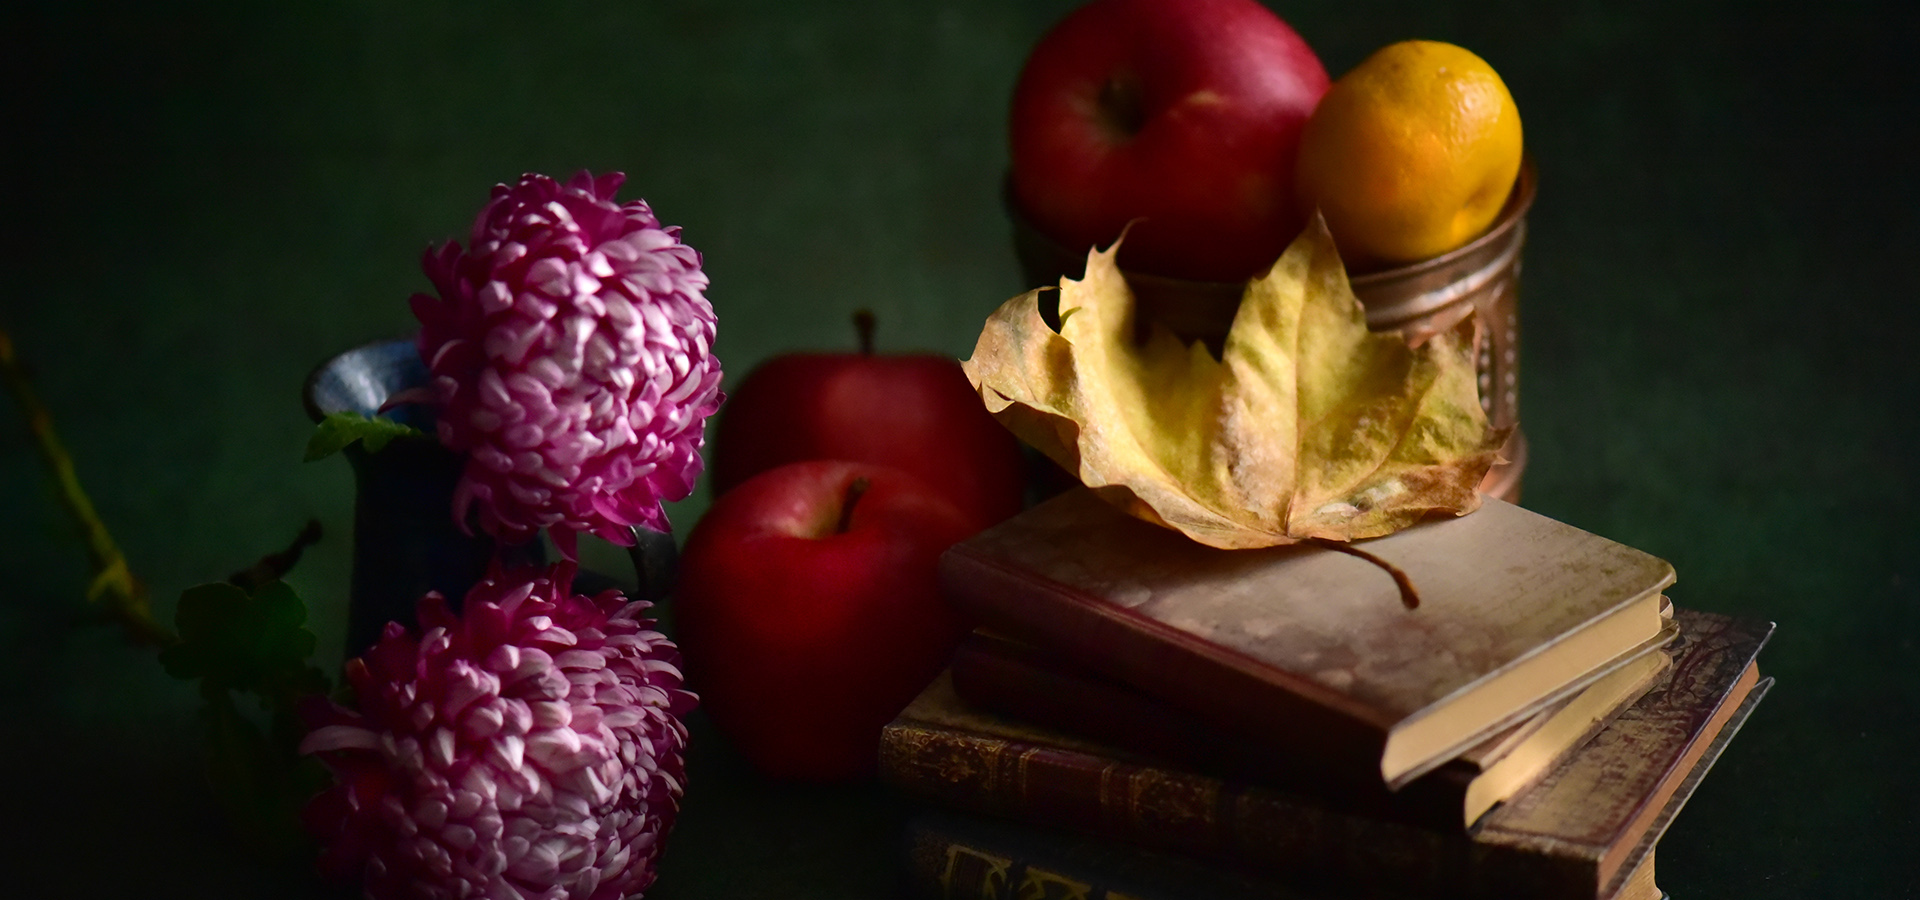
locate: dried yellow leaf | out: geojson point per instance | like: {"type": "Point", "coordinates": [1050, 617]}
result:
{"type": "Point", "coordinates": [1308, 426]}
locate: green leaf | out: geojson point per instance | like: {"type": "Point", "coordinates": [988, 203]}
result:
{"type": "Point", "coordinates": [255, 642]}
{"type": "Point", "coordinates": [205, 618]}
{"type": "Point", "coordinates": [337, 430]}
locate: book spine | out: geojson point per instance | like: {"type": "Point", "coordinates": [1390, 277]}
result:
{"type": "Point", "coordinates": [1232, 693]}
{"type": "Point", "coordinates": [1166, 810]}
{"type": "Point", "coordinates": [940, 867]}
{"type": "Point", "coordinates": [951, 857]}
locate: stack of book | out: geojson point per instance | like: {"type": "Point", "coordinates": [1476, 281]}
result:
{"type": "Point", "coordinates": [1498, 705]}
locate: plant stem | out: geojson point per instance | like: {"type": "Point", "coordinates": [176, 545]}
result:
{"type": "Point", "coordinates": [275, 566]}
{"type": "Point", "coordinates": [113, 584]}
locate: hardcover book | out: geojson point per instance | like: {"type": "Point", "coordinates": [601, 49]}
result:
{"type": "Point", "coordinates": [1582, 827]}
{"type": "Point", "coordinates": [951, 856]}
{"type": "Point", "coordinates": [1313, 650]}
{"type": "Point", "coordinates": [1577, 834]}
{"type": "Point", "coordinates": [1009, 678]}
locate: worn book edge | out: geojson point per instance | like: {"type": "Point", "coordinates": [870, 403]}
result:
{"type": "Point", "coordinates": [1657, 827]}
{"type": "Point", "coordinates": [1065, 597]}
{"type": "Point", "coordinates": [1564, 731]}
{"type": "Point", "coordinates": [1514, 856]}
{"type": "Point", "coordinates": [1414, 748]}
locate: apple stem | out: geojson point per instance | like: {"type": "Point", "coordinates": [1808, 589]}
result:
{"type": "Point", "coordinates": [855, 489]}
{"type": "Point", "coordinates": [863, 323]}
{"type": "Point", "coordinates": [1120, 99]}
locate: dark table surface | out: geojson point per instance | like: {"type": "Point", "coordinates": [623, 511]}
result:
{"type": "Point", "coordinates": [201, 203]}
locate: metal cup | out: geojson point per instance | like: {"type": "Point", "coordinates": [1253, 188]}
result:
{"type": "Point", "coordinates": [1417, 300]}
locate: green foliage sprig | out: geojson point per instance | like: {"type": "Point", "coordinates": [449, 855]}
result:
{"type": "Point", "coordinates": [244, 636]}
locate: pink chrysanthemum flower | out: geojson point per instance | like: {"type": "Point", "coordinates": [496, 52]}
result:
{"type": "Point", "coordinates": [529, 747]}
{"type": "Point", "coordinates": [570, 347]}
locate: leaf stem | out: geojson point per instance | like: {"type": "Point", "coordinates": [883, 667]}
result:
{"type": "Point", "coordinates": [1409, 595]}
{"type": "Point", "coordinates": [124, 596]}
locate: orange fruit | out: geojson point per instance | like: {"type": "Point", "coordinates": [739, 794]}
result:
{"type": "Point", "coordinates": [1411, 154]}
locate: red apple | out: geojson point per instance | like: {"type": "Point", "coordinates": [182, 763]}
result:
{"type": "Point", "coordinates": [914, 412]}
{"type": "Point", "coordinates": [1183, 114]}
{"type": "Point", "coordinates": [808, 611]}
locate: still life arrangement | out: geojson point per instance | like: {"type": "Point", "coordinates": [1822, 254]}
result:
{"type": "Point", "coordinates": [1208, 554]}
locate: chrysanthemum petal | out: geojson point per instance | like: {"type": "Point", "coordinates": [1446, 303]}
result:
{"type": "Point", "coordinates": [479, 765]}
{"type": "Point", "coordinates": [539, 332]}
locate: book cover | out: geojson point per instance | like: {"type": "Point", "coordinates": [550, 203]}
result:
{"type": "Point", "coordinates": [1601, 807]}
{"type": "Point", "coordinates": [1009, 678]}
{"type": "Point", "coordinates": [1310, 648]}
{"type": "Point", "coordinates": [952, 856]}
{"type": "Point", "coordinates": [1571, 835]}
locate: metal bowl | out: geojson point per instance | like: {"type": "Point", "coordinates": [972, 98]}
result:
{"type": "Point", "coordinates": [1417, 300]}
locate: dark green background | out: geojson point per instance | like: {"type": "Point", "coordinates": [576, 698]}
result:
{"type": "Point", "coordinates": [203, 202]}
